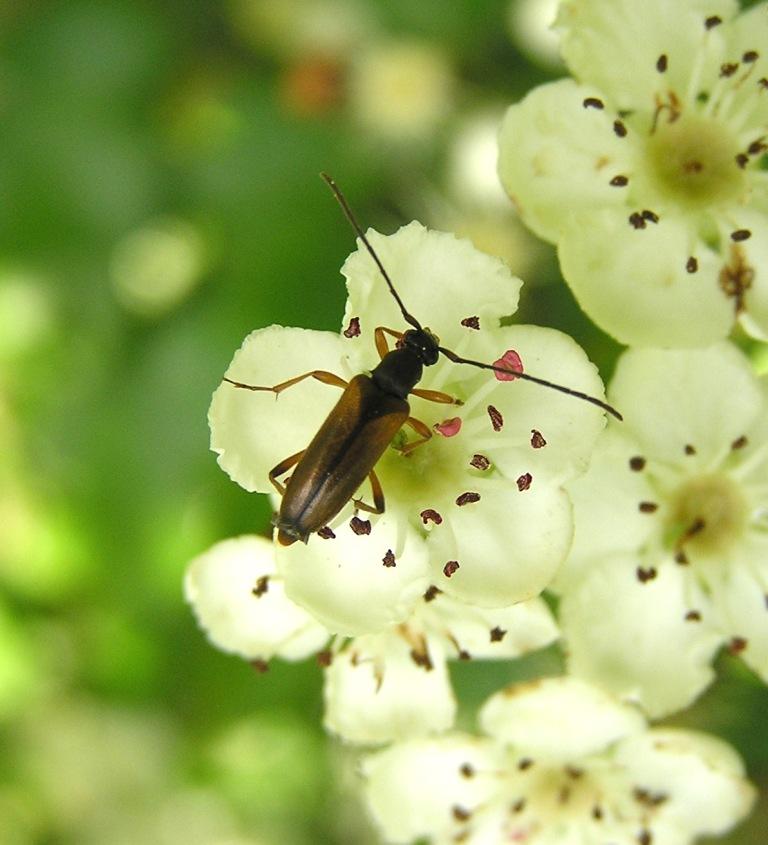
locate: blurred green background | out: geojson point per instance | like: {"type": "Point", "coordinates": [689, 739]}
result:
{"type": "Point", "coordinates": [159, 198]}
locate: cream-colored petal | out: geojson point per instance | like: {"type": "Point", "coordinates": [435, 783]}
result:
{"type": "Point", "coordinates": [253, 431]}
{"type": "Point", "coordinates": [558, 719]}
{"type": "Point", "coordinates": [615, 45]}
{"type": "Point", "coordinates": [637, 638]}
{"type": "Point", "coordinates": [376, 692]}
{"type": "Point", "coordinates": [220, 585]}
{"type": "Point", "coordinates": [558, 157]}
{"type": "Point", "coordinates": [634, 282]}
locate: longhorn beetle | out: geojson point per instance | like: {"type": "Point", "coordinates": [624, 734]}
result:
{"type": "Point", "coordinates": [363, 422]}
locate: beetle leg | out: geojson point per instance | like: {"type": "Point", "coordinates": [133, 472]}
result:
{"type": "Point", "coordinates": [321, 375]}
{"type": "Point", "coordinates": [378, 496]}
{"type": "Point", "coordinates": [282, 468]}
{"type": "Point", "coordinates": [436, 396]}
{"type": "Point", "coordinates": [382, 347]}
{"type": "Point", "coordinates": [421, 429]}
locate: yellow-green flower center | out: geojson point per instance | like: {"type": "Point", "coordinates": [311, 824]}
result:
{"type": "Point", "coordinates": [693, 162]}
{"type": "Point", "coordinates": [708, 515]}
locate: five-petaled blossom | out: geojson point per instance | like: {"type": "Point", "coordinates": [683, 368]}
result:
{"type": "Point", "coordinates": [561, 762]}
{"type": "Point", "coordinates": [648, 169]}
{"type": "Point", "coordinates": [378, 687]}
{"type": "Point", "coordinates": [670, 555]}
{"type": "Point", "coordinates": [479, 509]}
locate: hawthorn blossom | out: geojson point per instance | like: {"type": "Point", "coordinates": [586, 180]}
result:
{"type": "Point", "coordinates": [648, 168]}
{"type": "Point", "coordinates": [560, 762]}
{"type": "Point", "coordinates": [378, 687]}
{"type": "Point", "coordinates": [670, 555]}
{"type": "Point", "coordinates": [479, 510]}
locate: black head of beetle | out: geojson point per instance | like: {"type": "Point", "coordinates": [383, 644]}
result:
{"type": "Point", "coordinates": [425, 344]}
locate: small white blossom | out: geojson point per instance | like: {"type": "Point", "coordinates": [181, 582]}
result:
{"type": "Point", "coordinates": [647, 169]}
{"type": "Point", "coordinates": [561, 764]}
{"type": "Point", "coordinates": [670, 556]}
{"type": "Point", "coordinates": [479, 510]}
{"type": "Point", "coordinates": [240, 603]}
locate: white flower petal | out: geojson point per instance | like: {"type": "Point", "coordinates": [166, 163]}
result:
{"type": "Point", "coordinates": [441, 279]}
{"type": "Point", "coordinates": [705, 398]}
{"type": "Point", "coordinates": [508, 545]}
{"type": "Point", "coordinates": [557, 157]}
{"type": "Point", "coordinates": [702, 776]}
{"type": "Point", "coordinates": [375, 692]}
{"type": "Point", "coordinates": [253, 431]}
{"type": "Point", "coordinates": [636, 639]}
{"type": "Point", "coordinates": [743, 606]}
{"type": "Point", "coordinates": [634, 283]}
{"type": "Point", "coordinates": [615, 44]}
{"type": "Point", "coordinates": [558, 719]}
{"type": "Point", "coordinates": [412, 788]}
{"type": "Point", "coordinates": [504, 632]}
{"type": "Point", "coordinates": [219, 585]}
{"type": "Point", "coordinates": [605, 506]}
{"type": "Point", "coordinates": [344, 582]}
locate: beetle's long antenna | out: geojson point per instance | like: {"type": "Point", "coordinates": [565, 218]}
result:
{"type": "Point", "coordinates": [409, 318]}
{"type": "Point", "coordinates": [457, 359]}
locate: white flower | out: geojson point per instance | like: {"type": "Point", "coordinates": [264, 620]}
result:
{"type": "Point", "coordinates": [670, 556]}
{"type": "Point", "coordinates": [647, 170]}
{"type": "Point", "coordinates": [378, 687]}
{"type": "Point", "coordinates": [479, 510]}
{"type": "Point", "coordinates": [562, 764]}
{"type": "Point", "coordinates": [241, 604]}
{"type": "Point", "coordinates": [395, 685]}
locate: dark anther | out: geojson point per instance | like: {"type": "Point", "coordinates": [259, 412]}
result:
{"type": "Point", "coordinates": [619, 128]}
{"type": "Point", "coordinates": [619, 181]}
{"type": "Point", "coordinates": [712, 21]}
{"type": "Point", "coordinates": [574, 772]}
{"type": "Point", "coordinates": [497, 421]}
{"type": "Point", "coordinates": [324, 658]}
{"type": "Point", "coordinates": [741, 235]}
{"type": "Point", "coordinates": [262, 585]}
{"type": "Point", "coordinates": [693, 616]}
{"type": "Point", "coordinates": [739, 442]}
{"type": "Point", "coordinates": [689, 449]}
{"type": "Point", "coordinates": [650, 216]}
{"type": "Point", "coordinates": [524, 482]}
{"type": "Point", "coordinates": [637, 464]}
{"type": "Point", "coordinates": [681, 558]}
{"type": "Point", "coordinates": [763, 83]}
{"type": "Point", "coordinates": [737, 645]}
{"type": "Point", "coordinates": [661, 63]}
{"type": "Point", "coordinates": [450, 568]}
{"type": "Point", "coordinates": [460, 814]}
{"type": "Point", "coordinates": [261, 666]}
{"type": "Point", "coordinates": [497, 634]}
{"type": "Point", "coordinates": [742, 160]}
{"type": "Point", "coordinates": [692, 264]}
{"type": "Point", "coordinates": [389, 558]}
{"type": "Point", "coordinates": [471, 322]}
{"type": "Point", "coordinates": [644, 837]}
{"type": "Point", "coordinates": [636, 220]}
{"type": "Point", "coordinates": [467, 770]}
{"type": "Point", "coordinates": [648, 507]}
{"type": "Point", "coordinates": [756, 147]}
{"type": "Point", "coordinates": [422, 659]}
{"type": "Point", "coordinates": [430, 515]}
{"type": "Point", "coordinates": [326, 533]}
{"type": "Point", "coordinates": [597, 812]}
{"type": "Point", "coordinates": [645, 575]}
{"type": "Point", "coordinates": [750, 56]}
{"type": "Point", "coordinates": [524, 763]}
{"type": "Point", "coordinates": [593, 103]}
{"type": "Point", "coordinates": [728, 69]}
{"type": "Point", "coordinates": [479, 462]}
{"type": "Point", "coordinates": [519, 805]}
{"type": "Point", "coordinates": [463, 654]}
{"type": "Point", "coordinates": [432, 593]}
{"type": "Point", "coordinates": [353, 329]}
{"type": "Point", "coordinates": [360, 526]}
{"type": "Point", "coordinates": [537, 440]}
{"type": "Point", "coordinates": [692, 166]}
{"type": "Point", "coordinates": [468, 498]}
